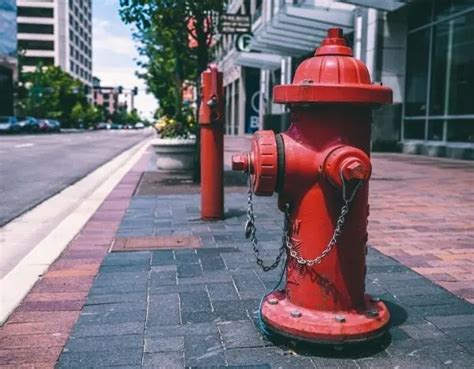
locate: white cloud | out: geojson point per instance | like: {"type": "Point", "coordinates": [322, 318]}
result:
{"type": "Point", "coordinates": [106, 41]}
{"type": "Point", "coordinates": [114, 53]}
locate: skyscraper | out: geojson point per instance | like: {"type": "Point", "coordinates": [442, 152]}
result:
{"type": "Point", "coordinates": [7, 55]}
{"type": "Point", "coordinates": [57, 32]}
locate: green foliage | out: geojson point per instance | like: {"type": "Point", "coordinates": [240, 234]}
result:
{"type": "Point", "coordinates": [163, 32]}
{"type": "Point", "coordinates": [181, 124]}
{"type": "Point", "coordinates": [49, 92]}
{"type": "Point", "coordinates": [120, 115]}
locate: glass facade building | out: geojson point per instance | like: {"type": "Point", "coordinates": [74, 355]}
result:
{"type": "Point", "coordinates": [439, 88]}
{"type": "Point", "coordinates": [8, 51]}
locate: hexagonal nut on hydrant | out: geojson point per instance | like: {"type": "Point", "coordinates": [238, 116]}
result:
{"type": "Point", "coordinates": [240, 162]}
{"type": "Point", "coordinates": [355, 170]}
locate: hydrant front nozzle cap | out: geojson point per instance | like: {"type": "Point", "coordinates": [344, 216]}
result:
{"type": "Point", "coordinates": [334, 44]}
{"type": "Point", "coordinates": [240, 162]}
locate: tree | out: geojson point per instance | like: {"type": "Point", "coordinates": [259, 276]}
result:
{"type": "Point", "coordinates": [164, 28]}
{"type": "Point", "coordinates": [49, 92]}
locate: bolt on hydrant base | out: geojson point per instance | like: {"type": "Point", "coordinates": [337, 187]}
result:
{"type": "Point", "coordinates": [320, 168]}
{"type": "Point", "coordinates": [319, 326]}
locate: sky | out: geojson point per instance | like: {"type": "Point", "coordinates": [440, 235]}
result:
{"type": "Point", "coordinates": [114, 53]}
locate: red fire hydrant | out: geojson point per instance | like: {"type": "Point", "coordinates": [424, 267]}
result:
{"type": "Point", "coordinates": [320, 169]}
{"type": "Point", "coordinates": [211, 118]}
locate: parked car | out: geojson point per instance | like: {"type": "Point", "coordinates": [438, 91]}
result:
{"type": "Point", "coordinates": [139, 125]}
{"type": "Point", "coordinates": [116, 126]}
{"type": "Point", "coordinates": [54, 125]}
{"type": "Point", "coordinates": [102, 125]}
{"type": "Point", "coordinates": [28, 124]}
{"type": "Point", "coordinates": [43, 125]}
{"type": "Point", "coordinates": [9, 124]}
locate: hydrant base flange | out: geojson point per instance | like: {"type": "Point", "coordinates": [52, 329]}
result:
{"type": "Point", "coordinates": [285, 319]}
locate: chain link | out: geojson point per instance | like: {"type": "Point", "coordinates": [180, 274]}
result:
{"type": "Point", "coordinates": [251, 230]}
{"type": "Point", "coordinates": [336, 233]}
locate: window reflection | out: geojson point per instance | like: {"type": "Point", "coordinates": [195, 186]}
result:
{"type": "Point", "coordinates": [417, 72]}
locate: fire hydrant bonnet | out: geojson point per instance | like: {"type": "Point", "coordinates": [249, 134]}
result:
{"type": "Point", "coordinates": [333, 75]}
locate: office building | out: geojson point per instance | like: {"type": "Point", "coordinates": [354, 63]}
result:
{"type": "Point", "coordinates": [8, 57]}
{"type": "Point", "coordinates": [422, 49]}
{"type": "Point", "coordinates": [57, 32]}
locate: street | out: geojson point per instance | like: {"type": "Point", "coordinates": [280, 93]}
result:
{"type": "Point", "coordinates": [35, 167]}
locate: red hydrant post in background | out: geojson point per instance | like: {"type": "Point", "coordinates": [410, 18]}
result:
{"type": "Point", "coordinates": [211, 120]}
{"type": "Point", "coordinates": [320, 169]}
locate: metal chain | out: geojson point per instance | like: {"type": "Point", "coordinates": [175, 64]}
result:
{"type": "Point", "coordinates": [251, 230]}
{"type": "Point", "coordinates": [336, 233]}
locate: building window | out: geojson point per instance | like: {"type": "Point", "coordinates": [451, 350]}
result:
{"type": "Point", "coordinates": [35, 12]}
{"type": "Point", "coordinates": [36, 60]}
{"type": "Point", "coordinates": [36, 28]}
{"type": "Point", "coordinates": [440, 77]}
{"type": "Point", "coordinates": [35, 45]}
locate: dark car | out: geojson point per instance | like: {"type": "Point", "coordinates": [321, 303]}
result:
{"type": "Point", "coordinates": [54, 125]}
{"type": "Point", "coordinates": [28, 124]}
{"type": "Point", "coordinates": [116, 126]}
{"type": "Point", "coordinates": [43, 125]}
{"type": "Point", "coordinates": [48, 125]}
{"type": "Point", "coordinates": [9, 124]}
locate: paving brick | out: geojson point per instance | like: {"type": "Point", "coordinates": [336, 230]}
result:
{"type": "Point", "coordinates": [163, 360]}
{"type": "Point", "coordinates": [222, 291]}
{"type": "Point", "coordinates": [189, 270]}
{"type": "Point", "coordinates": [452, 321]}
{"type": "Point", "coordinates": [272, 356]}
{"type": "Point", "coordinates": [164, 344]}
{"type": "Point", "coordinates": [239, 334]}
{"type": "Point", "coordinates": [116, 298]}
{"type": "Point", "coordinates": [163, 310]}
{"type": "Point", "coordinates": [192, 329]}
{"type": "Point", "coordinates": [186, 256]}
{"type": "Point", "coordinates": [162, 257]}
{"type": "Point", "coordinates": [100, 359]}
{"type": "Point", "coordinates": [192, 302]}
{"type": "Point", "coordinates": [111, 343]}
{"type": "Point", "coordinates": [248, 285]}
{"type": "Point", "coordinates": [203, 350]}
{"type": "Point", "coordinates": [32, 341]}
{"type": "Point", "coordinates": [93, 330]}
{"type": "Point", "coordinates": [212, 262]}
{"type": "Point", "coordinates": [422, 331]}
{"type": "Point", "coordinates": [162, 279]}
{"type": "Point", "coordinates": [199, 317]}
{"type": "Point", "coordinates": [31, 355]}
{"type": "Point", "coordinates": [230, 310]}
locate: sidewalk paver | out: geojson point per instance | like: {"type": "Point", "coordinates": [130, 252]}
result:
{"type": "Point", "coordinates": [197, 307]}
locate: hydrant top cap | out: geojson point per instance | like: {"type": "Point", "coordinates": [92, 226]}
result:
{"type": "Point", "coordinates": [334, 44]}
{"type": "Point", "coordinates": [332, 75]}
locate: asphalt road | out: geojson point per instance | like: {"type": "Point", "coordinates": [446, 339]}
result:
{"type": "Point", "coordinates": [36, 167]}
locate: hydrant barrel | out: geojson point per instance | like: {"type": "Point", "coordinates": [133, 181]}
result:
{"type": "Point", "coordinates": [211, 121]}
{"type": "Point", "coordinates": [320, 168]}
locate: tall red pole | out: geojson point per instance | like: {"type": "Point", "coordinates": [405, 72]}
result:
{"type": "Point", "coordinates": [211, 120]}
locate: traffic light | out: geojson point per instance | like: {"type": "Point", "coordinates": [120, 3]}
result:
{"type": "Point", "coordinates": [135, 91]}
{"type": "Point", "coordinates": [120, 89]}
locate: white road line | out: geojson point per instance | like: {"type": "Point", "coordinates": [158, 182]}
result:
{"type": "Point", "coordinates": [24, 145]}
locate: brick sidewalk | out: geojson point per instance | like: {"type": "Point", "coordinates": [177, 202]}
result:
{"type": "Point", "coordinates": [422, 214]}
{"type": "Point", "coordinates": [196, 308]}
